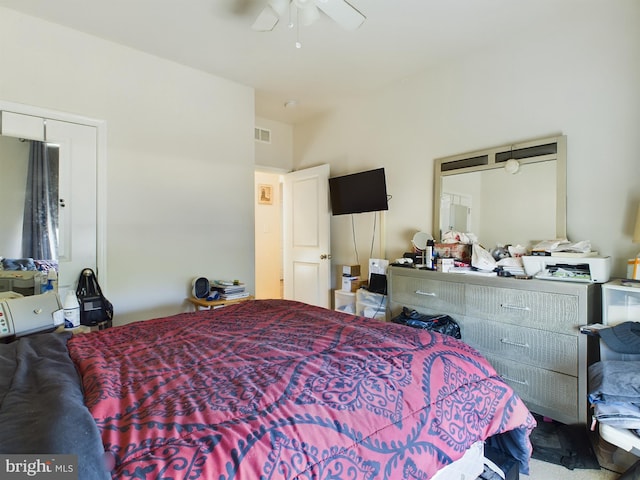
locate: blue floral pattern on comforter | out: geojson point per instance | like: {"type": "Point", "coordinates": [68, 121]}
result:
{"type": "Point", "coordinates": [275, 389]}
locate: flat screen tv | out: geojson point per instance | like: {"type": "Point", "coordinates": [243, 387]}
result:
{"type": "Point", "coordinates": [359, 192]}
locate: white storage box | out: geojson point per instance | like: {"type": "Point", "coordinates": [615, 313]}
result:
{"type": "Point", "coordinates": [371, 305]}
{"type": "Point", "coordinates": [344, 301]}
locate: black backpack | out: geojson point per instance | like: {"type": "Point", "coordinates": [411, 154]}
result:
{"type": "Point", "coordinates": [95, 309]}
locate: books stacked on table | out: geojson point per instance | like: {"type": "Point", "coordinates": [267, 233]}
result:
{"type": "Point", "coordinates": [229, 290]}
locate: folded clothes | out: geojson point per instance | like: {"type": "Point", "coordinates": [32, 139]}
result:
{"type": "Point", "coordinates": [614, 381]}
{"type": "Point", "coordinates": [620, 415]}
{"type": "Point", "coordinates": [614, 392]}
{"type": "Point", "coordinates": [622, 338]}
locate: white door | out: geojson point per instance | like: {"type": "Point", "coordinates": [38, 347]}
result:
{"type": "Point", "coordinates": [307, 261]}
{"type": "Point", "coordinates": [77, 191]}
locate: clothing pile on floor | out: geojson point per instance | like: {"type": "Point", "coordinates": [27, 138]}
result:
{"type": "Point", "coordinates": [614, 385]}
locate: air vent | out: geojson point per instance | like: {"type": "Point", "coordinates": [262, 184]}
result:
{"type": "Point", "coordinates": [262, 135]}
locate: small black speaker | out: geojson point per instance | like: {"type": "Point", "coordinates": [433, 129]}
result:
{"type": "Point", "coordinates": [201, 287]}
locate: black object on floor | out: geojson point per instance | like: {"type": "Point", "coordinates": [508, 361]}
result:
{"type": "Point", "coordinates": [566, 445]}
{"type": "Point", "coordinates": [506, 467]}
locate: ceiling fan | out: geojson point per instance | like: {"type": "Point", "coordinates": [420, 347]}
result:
{"type": "Point", "coordinates": [307, 12]}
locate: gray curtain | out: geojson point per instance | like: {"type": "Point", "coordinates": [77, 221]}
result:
{"type": "Point", "coordinates": [40, 225]}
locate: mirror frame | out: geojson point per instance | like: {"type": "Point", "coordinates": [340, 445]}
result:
{"type": "Point", "coordinates": [531, 151]}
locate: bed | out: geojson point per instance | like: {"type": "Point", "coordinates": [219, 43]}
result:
{"type": "Point", "coordinates": [264, 389]}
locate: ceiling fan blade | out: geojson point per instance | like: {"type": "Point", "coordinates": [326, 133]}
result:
{"type": "Point", "coordinates": [266, 21]}
{"type": "Point", "coordinates": [343, 13]}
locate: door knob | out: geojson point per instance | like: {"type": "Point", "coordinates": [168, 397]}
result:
{"type": "Point", "coordinates": [325, 256]}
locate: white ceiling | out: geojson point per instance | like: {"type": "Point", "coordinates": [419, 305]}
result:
{"type": "Point", "coordinates": [398, 39]}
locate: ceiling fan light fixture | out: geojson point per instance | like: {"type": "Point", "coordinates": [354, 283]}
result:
{"type": "Point", "coordinates": [279, 6]}
{"type": "Point", "coordinates": [308, 15]}
{"type": "Point", "coordinates": [302, 4]}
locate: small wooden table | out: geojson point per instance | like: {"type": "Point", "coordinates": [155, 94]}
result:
{"type": "Point", "coordinates": [203, 303]}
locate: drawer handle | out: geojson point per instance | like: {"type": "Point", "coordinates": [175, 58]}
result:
{"type": "Point", "coordinates": [515, 344]}
{"type": "Point", "coordinates": [427, 294]}
{"type": "Point", "coordinates": [515, 307]}
{"type": "Point", "coordinates": [520, 382]}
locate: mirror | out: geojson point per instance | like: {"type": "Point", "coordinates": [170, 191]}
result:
{"type": "Point", "coordinates": [28, 223]}
{"type": "Point", "coordinates": [512, 194]}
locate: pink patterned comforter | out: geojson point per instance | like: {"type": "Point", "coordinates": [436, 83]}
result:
{"type": "Point", "coordinates": [275, 389]}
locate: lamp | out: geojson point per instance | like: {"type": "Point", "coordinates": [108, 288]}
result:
{"type": "Point", "coordinates": [633, 268]}
{"type": "Point", "coordinates": [512, 165]}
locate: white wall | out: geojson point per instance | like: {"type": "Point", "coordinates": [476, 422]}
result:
{"type": "Point", "coordinates": [577, 76]}
{"type": "Point", "coordinates": [180, 158]}
{"type": "Point", "coordinates": [279, 152]}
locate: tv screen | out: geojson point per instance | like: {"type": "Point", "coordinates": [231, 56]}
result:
{"type": "Point", "coordinates": [359, 192]}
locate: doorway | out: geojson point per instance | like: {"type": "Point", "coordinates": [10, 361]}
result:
{"type": "Point", "coordinates": [292, 241]}
{"type": "Point", "coordinates": [268, 235]}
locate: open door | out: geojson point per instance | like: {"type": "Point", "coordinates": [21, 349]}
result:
{"type": "Point", "coordinates": [307, 261]}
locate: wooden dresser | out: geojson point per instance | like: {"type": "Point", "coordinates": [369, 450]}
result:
{"type": "Point", "coordinates": [527, 329]}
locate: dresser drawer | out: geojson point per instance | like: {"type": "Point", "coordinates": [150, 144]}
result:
{"type": "Point", "coordinates": [540, 348]}
{"type": "Point", "coordinates": [439, 296]}
{"type": "Point", "coordinates": [555, 392]}
{"type": "Point", "coordinates": [543, 310]}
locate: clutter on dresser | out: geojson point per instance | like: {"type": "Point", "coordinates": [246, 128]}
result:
{"type": "Point", "coordinates": [557, 259]}
{"type": "Point", "coordinates": [423, 249]}
{"type": "Point", "coordinates": [456, 245]}
{"type": "Point", "coordinates": [28, 276]}
{"type": "Point", "coordinates": [563, 248]}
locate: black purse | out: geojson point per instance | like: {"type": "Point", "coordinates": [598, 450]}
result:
{"type": "Point", "coordinates": [95, 309]}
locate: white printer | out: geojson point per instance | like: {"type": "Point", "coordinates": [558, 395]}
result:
{"type": "Point", "coordinates": [593, 269]}
{"type": "Point", "coordinates": [24, 315]}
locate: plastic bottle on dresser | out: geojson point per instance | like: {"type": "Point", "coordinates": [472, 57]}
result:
{"type": "Point", "coordinates": [430, 255]}
{"type": "Point", "coordinates": [52, 280]}
{"type": "Point", "coordinates": [71, 310]}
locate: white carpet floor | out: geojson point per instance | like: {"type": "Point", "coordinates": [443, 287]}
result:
{"type": "Point", "coordinates": [539, 470]}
